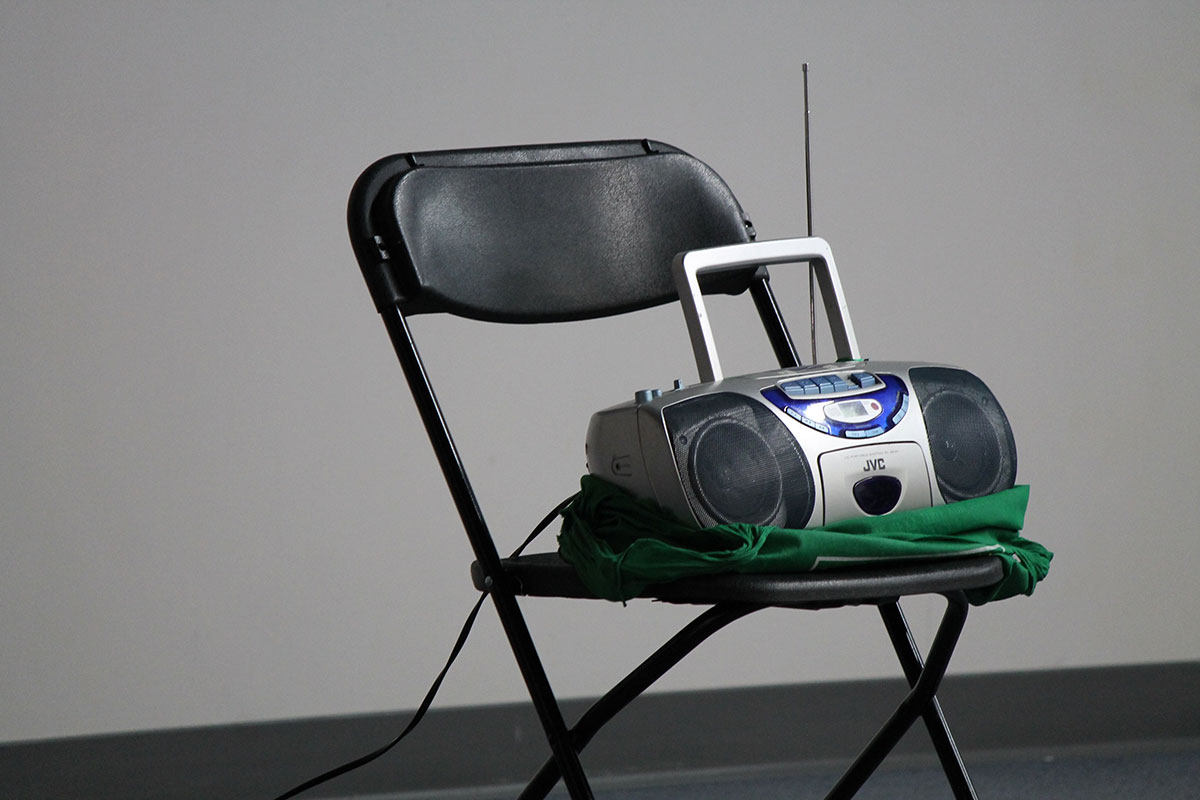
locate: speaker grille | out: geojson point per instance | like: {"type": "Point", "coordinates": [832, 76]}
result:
{"type": "Point", "coordinates": [738, 462]}
{"type": "Point", "coordinates": [969, 436]}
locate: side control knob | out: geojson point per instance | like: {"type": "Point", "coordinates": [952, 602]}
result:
{"type": "Point", "coordinates": [646, 395]}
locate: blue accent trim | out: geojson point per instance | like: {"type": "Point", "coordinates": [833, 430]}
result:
{"type": "Point", "coordinates": [890, 393]}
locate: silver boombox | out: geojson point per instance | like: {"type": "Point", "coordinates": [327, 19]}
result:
{"type": "Point", "coordinates": [807, 446]}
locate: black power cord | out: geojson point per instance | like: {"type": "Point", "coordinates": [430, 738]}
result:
{"type": "Point", "coordinates": [419, 714]}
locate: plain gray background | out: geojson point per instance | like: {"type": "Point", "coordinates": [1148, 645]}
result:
{"type": "Point", "coordinates": [216, 500]}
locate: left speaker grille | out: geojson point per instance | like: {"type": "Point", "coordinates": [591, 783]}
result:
{"type": "Point", "coordinates": [738, 463]}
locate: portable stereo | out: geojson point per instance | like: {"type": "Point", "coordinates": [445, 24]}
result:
{"type": "Point", "coordinates": [806, 446]}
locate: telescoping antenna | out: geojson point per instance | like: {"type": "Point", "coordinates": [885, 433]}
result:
{"type": "Point", "coordinates": [812, 273]}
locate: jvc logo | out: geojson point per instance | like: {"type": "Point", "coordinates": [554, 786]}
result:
{"type": "Point", "coordinates": [874, 465]}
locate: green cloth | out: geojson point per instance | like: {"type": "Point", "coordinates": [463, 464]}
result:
{"type": "Point", "coordinates": [619, 543]}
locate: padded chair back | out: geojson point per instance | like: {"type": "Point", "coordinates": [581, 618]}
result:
{"type": "Point", "coordinates": [541, 233]}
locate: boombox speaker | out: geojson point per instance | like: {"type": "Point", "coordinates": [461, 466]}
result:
{"type": "Point", "coordinates": [805, 446]}
{"type": "Point", "coordinates": [738, 462]}
{"type": "Point", "coordinates": [969, 437]}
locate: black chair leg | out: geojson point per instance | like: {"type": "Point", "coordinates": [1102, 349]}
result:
{"type": "Point", "coordinates": [485, 552]}
{"type": "Point", "coordinates": [913, 706]}
{"type": "Point", "coordinates": [636, 682]}
{"type": "Point", "coordinates": [935, 720]}
{"type": "Point", "coordinates": [544, 702]}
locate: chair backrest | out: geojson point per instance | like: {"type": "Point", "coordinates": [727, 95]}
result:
{"type": "Point", "coordinates": [540, 233]}
{"type": "Point", "coordinates": [537, 234]}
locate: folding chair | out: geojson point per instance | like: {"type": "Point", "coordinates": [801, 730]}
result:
{"type": "Point", "coordinates": [578, 231]}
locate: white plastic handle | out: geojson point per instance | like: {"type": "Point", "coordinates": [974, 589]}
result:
{"type": "Point", "coordinates": [687, 266]}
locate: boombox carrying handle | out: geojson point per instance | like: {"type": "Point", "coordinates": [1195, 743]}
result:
{"type": "Point", "coordinates": [687, 266]}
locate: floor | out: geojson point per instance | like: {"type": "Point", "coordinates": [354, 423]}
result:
{"type": "Point", "coordinates": [1140, 772]}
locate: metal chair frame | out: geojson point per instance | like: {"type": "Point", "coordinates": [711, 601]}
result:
{"type": "Point", "coordinates": [727, 597]}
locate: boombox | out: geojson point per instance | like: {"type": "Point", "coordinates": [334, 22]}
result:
{"type": "Point", "coordinates": [806, 446]}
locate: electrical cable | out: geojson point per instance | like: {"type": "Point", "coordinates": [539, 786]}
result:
{"type": "Point", "coordinates": [419, 714]}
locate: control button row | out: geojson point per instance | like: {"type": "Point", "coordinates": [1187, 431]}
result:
{"type": "Point", "coordinates": [800, 388]}
{"type": "Point", "coordinates": [826, 384]}
{"type": "Point", "coordinates": [812, 423]}
{"type": "Point", "coordinates": [866, 433]}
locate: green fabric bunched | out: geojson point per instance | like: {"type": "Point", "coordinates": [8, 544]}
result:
{"type": "Point", "coordinates": [619, 543]}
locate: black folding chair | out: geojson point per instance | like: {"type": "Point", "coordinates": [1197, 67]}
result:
{"type": "Point", "coordinates": [577, 231]}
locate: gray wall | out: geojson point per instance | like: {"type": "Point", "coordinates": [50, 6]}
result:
{"type": "Point", "coordinates": [216, 500]}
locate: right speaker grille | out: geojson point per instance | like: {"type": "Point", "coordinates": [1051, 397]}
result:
{"type": "Point", "coordinates": [969, 436]}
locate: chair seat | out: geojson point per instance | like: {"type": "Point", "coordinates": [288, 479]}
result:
{"type": "Point", "coordinates": [548, 575]}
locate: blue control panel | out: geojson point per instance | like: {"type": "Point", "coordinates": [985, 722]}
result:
{"type": "Point", "coordinates": [850, 405]}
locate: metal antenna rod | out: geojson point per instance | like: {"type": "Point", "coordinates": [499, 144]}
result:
{"type": "Point", "coordinates": [807, 155]}
{"type": "Point", "coordinates": [812, 295]}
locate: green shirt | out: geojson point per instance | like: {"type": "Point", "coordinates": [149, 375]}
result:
{"type": "Point", "coordinates": [619, 543]}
